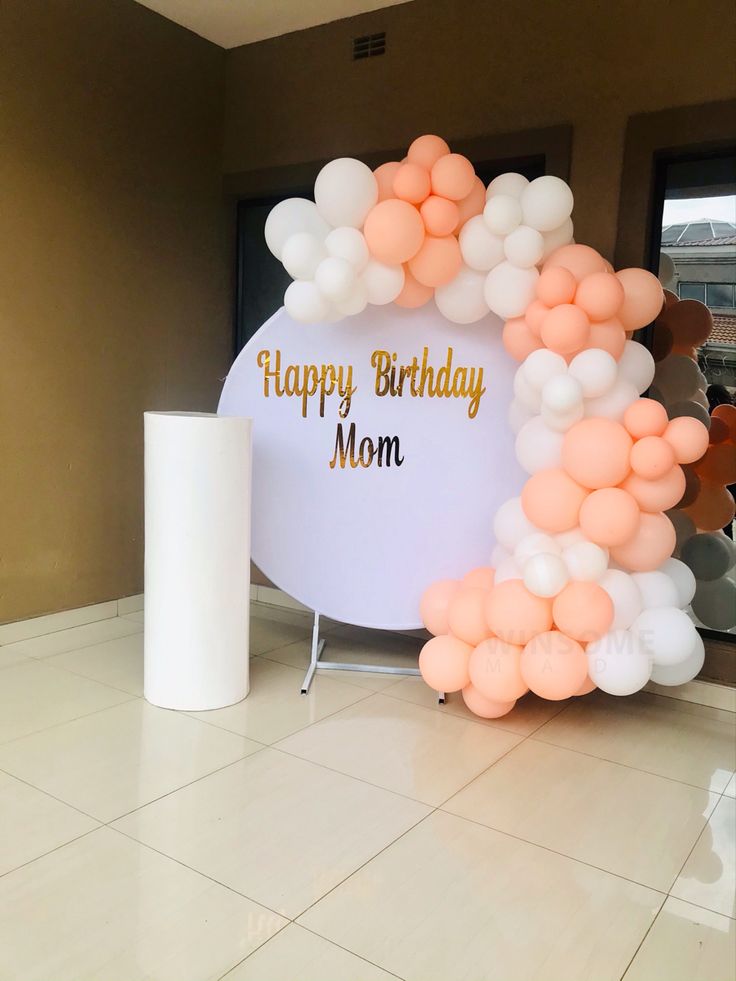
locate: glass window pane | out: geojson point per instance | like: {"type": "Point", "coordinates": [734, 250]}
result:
{"type": "Point", "coordinates": [720, 294]}
{"type": "Point", "coordinates": [697, 231]}
{"type": "Point", "coordinates": [692, 291]}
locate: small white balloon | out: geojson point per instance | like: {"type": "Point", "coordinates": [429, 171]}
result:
{"type": "Point", "coordinates": [510, 524]}
{"type": "Point", "coordinates": [289, 217]}
{"type": "Point", "coordinates": [305, 303]}
{"type": "Point", "coordinates": [683, 579]}
{"type": "Point", "coordinates": [512, 184]}
{"type": "Point", "coordinates": [572, 537]}
{"type": "Point", "coordinates": [524, 247]}
{"type": "Point", "coordinates": [545, 575]}
{"type": "Point", "coordinates": [335, 278]}
{"type": "Point", "coordinates": [301, 254]}
{"type": "Point", "coordinates": [656, 588]}
{"type": "Point", "coordinates": [557, 238]}
{"type": "Point", "coordinates": [636, 365]}
{"type": "Point", "coordinates": [679, 674]}
{"type": "Point", "coordinates": [562, 421]}
{"type": "Point", "coordinates": [462, 300]}
{"type": "Point", "coordinates": [348, 243]}
{"type": "Point", "coordinates": [563, 394]}
{"type": "Point", "coordinates": [618, 664]}
{"type": "Point", "coordinates": [666, 633]}
{"type": "Point", "coordinates": [518, 416]}
{"type": "Point", "coordinates": [383, 282]}
{"type": "Point", "coordinates": [480, 248]}
{"type": "Point", "coordinates": [537, 446]}
{"type": "Point", "coordinates": [586, 561]}
{"type": "Point", "coordinates": [541, 365]}
{"type": "Point", "coordinates": [356, 300]}
{"type": "Point", "coordinates": [345, 191]}
{"type": "Point", "coordinates": [596, 371]}
{"type": "Point", "coordinates": [546, 203]}
{"type": "Point", "coordinates": [535, 544]}
{"type": "Point", "coordinates": [524, 393]}
{"type": "Point", "coordinates": [502, 214]}
{"type": "Point", "coordinates": [509, 290]}
{"type": "Point", "coordinates": [614, 403]}
{"type": "Point", "coordinates": [625, 596]}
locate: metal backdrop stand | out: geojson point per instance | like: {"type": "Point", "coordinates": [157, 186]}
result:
{"type": "Point", "coordinates": [316, 662]}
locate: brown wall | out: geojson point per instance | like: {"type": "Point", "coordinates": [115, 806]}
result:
{"type": "Point", "coordinates": [115, 285]}
{"type": "Point", "coordinates": [463, 68]}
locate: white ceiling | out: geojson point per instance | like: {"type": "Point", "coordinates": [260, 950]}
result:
{"type": "Point", "coordinates": [230, 23]}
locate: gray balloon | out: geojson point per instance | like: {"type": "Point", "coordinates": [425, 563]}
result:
{"type": "Point", "coordinates": [714, 604]}
{"type": "Point", "coordinates": [707, 555]}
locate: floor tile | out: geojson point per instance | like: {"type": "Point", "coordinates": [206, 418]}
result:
{"type": "Point", "coordinates": [9, 656]}
{"type": "Point", "coordinates": [113, 761]}
{"type": "Point", "coordinates": [36, 626]}
{"type": "Point", "coordinates": [275, 828]}
{"type": "Point", "coordinates": [452, 900]}
{"type": "Point", "coordinates": [34, 696]}
{"type": "Point", "coordinates": [295, 954]}
{"type": "Point", "coordinates": [130, 604]}
{"type": "Point", "coordinates": [275, 706]}
{"type": "Point", "coordinates": [528, 714]}
{"type": "Point", "coordinates": [730, 790]}
{"type": "Point", "coordinates": [32, 823]}
{"type": "Point", "coordinates": [75, 637]}
{"type": "Point", "coordinates": [136, 616]}
{"type": "Point", "coordinates": [267, 634]}
{"type": "Point", "coordinates": [118, 663]}
{"type": "Point", "coordinates": [699, 749]}
{"type": "Point", "coordinates": [402, 747]}
{"type": "Point", "coordinates": [686, 943]}
{"type": "Point", "coordinates": [708, 878]}
{"type": "Point", "coordinates": [657, 821]}
{"type": "Point", "coordinates": [105, 908]}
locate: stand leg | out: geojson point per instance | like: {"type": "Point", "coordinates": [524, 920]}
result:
{"type": "Point", "coordinates": [317, 647]}
{"type": "Point", "coordinates": [441, 697]}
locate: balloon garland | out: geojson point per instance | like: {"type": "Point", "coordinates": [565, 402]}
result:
{"type": "Point", "coordinates": [581, 590]}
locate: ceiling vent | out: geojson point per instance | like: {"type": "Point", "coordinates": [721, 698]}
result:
{"type": "Point", "coordinates": [369, 46]}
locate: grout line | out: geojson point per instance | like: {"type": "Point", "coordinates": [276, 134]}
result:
{"type": "Point", "coordinates": [646, 934]}
{"type": "Point", "coordinates": [51, 851]}
{"type": "Point", "coordinates": [76, 718]}
{"type": "Point", "coordinates": [361, 957]}
{"type": "Point", "coordinates": [48, 633]}
{"type": "Point", "coordinates": [695, 844]}
{"type": "Point", "coordinates": [84, 646]}
{"type": "Point", "coordinates": [258, 947]}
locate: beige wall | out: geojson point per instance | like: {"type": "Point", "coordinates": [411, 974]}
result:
{"type": "Point", "coordinates": [115, 291]}
{"type": "Point", "coordinates": [464, 68]}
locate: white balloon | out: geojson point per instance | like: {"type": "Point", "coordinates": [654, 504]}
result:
{"type": "Point", "coordinates": [537, 446]}
{"type": "Point", "coordinates": [680, 674]}
{"type": "Point", "coordinates": [572, 537]}
{"type": "Point", "coordinates": [546, 203]}
{"type": "Point", "coordinates": [625, 595]}
{"type": "Point", "coordinates": [596, 371]}
{"type": "Point", "coordinates": [535, 544]}
{"type": "Point", "coordinates": [683, 580]}
{"type": "Point", "coordinates": [636, 365]}
{"type": "Point", "coordinates": [557, 238]}
{"type": "Point", "coordinates": [509, 290]}
{"type": "Point", "coordinates": [524, 247]}
{"type": "Point", "coordinates": [614, 403]}
{"type": "Point", "coordinates": [688, 408]}
{"type": "Point", "coordinates": [499, 555]}
{"type": "Point", "coordinates": [462, 300]}
{"type": "Point", "coordinates": [518, 416]}
{"type": "Point", "coordinates": [524, 392]}
{"type": "Point", "coordinates": [383, 283]}
{"type": "Point", "coordinates": [508, 569]}
{"type": "Point", "coordinates": [301, 254]}
{"type": "Point", "coordinates": [480, 248]}
{"type": "Point", "coordinates": [678, 376]}
{"type": "Point", "coordinates": [563, 395]}
{"type": "Point", "coordinates": [335, 278]}
{"type": "Point", "coordinates": [345, 191]}
{"type": "Point", "coordinates": [348, 243]}
{"type": "Point", "coordinates": [541, 365]}
{"type": "Point", "coordinates": [512, 184]}
{"type": "Point", "coordinates": [305, 303]}
{"type": "Point", "coordinates": [356, 300]}
{"type": "Point", "coordinates": [656, 588]}
{"type": "Point", "coordinates": [666, 633]}
{"type": "Point", "coordinates": [618, 664]}
{"type": "Point", "coordinates": [562, 421]}
{"type": "Point", "coordinates": [502, 214]}
{"type": "Point", "coordinates": [545, 575]}
{"type": "Point", "coordinates": [511, 524]}
{"type": "Point", "coordinates": [666, 273]}
{"type": "Point", "coordinates": [586, 561]}
{"type": "Point", "coordinates": [289, 217]}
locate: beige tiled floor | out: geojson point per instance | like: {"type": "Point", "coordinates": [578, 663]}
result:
{"type": "Point", "coordinates": [360, 833]}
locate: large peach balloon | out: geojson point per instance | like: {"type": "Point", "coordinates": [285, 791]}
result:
{"type": "Point", "coordinates": [652, 457]}
{"type": "Point", "coordinates": [609, 517]}
{"type": "Point", "coordinates": [516, 615]}
{"type": "Point", "coordinates": [556, 285]}
{"type": "Point", "coordinates": [437, 262]}
{"type": "Point", "coordinates": [608, 336]}
{"type": "Point", "coordinates": [645, 417]}
{"type": "Point", "coordinates": [427, 150]}
{"type": "Point", "coordinates": [595, 453]}
{"type": "Point", "coordinates": [495, 670]}
{"type": "Point", "coordinates": [453, 176]}
{"type": "Point", "coordinates": [385, 179]}
{"type": "Point", "coordinates": [435, 603]}
{"type": "Point", "coordinates": [565, 329]}
{"type": "Point", "coordinates": [394, 231]}
{"type": "Point", "coordinates": [551, 500]}
{"type": "Point", "coordinates": [471, 205]}
{"type": "Point", "coordinates": [439, 215]}
{"type": "Point", "coordinates": [713, 508]}
{"type": "Point", "coordinates": [657, 495]}
{"type": "Point", "coordinates": [581, 260]}
{"type": "Point", "coordinates": [483, 577]}
{"type": "Point", "coordinates": [688, 437]}
{"type": "Point", "coordinates": [719, 463]}
{"type": "Point", "coordinates": [519, 340]}
{"type": "Point", "coordinates": [583, 611]}
{"type": "Point", "coordinates": [653, 542]}
{"type": "Point", "coordinates": [689, 321]}
{"type": "Point", "coordinates": [535, 314]}
{"type": "Point", "coordinates": [484, 707]}
{"type": "Point", "coordinates": [643, 298]}
{"type": "Point", "coordinates": [413, 294]}
{"type": "Point", "coordinates": [554, 665]}
{"type": "Point", "coordinates": [466, 615]}
{"type": "Point", "coordinates": [728, 414]}
{"type": "Point", "coordinates": [600, 295]}
{"type": "Point", "coordinates": [443, 662]}
{"type": "Point", "coordinates": [411, 183]}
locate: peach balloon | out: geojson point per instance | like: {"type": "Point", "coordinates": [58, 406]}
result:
{"type": "Point", "coordinates": [657, 495]}
{"type": "Point", "coordinates": [643, 298]}
{"type": "Point", "coordinates": [728, 414]}
{"type": "Point", "coordinates": [653, 542]}
{"type": "Point", "coordinates": [645, 417]}
{"type": "Point", "coordinates": [565, 329]}
{"type": "Point", "coordinates": [556, 285]}
{"type": "Point", "coordinates": [583, 611]}
{"type": "Point", "coordinates": [600, 295]}
{"type": "Point", "coordinates": [437, 262]}
{"type": "Point", "coordinates": [483, 577]}
{"type": "Point", "coordinates": [483, 707]}
{"type": "Point", "coordinates": [692, 489]}
{"type": "Point", "coordinates": [595, 452]}
{"type": "Point", "coordinates": [662, 342]}
{"type": "Point", "coordinates": [713, 508]}
{"type": "Point", "coordinates": [551, 500]}
{"type": "Point", "coordinates": [608, 336]}
{"type": "Point", "coordinates": [413, 294]}
{"type": "Point", "coordinates": [443, 663]}
{"type": "Point", "coordinates": [439, 215]}
{"type": "Point", "coordinates": [495, 670]}
{"type": "Point", "coordinates": [394, 231]}
{"type": "Point", "coordinates": [411, 183]}
{"type": "Point", "coordinates": [719, 430]}
{"type": "Point", "coordinates": [534, 316]}
{"type": "Point", "coordinates": [609, 516]}
{"type": "Point", "coordinates": [453, 176]}
{"type": "Point", "coordinates": [514, 614]}
{"type": "Point", "coordinates": [689, 321]}
{"type": "Point", "coordinates": [435, 603]}
{"type": "Point", "coordinates": [719, 463]}
{"type": "Point", "coordinates": [385, 178]}
{"type": "Point", "coordinates": [471, 205]}
{"type": "Point", "coordinates": [554, 665]}
{"type": "Point", "coordinates": [519, 340]}
{"type": "Point", "coordinates": [652, 457]}
{"type": "Point", "coordinates": [427, 150]}
{"type": "Point", "coordinates": [467, 614]}
{"type": "Point", "coordinates": [688, 437]}
{"type": "Point", "coordinates": [587, 687]}
{"type": "Point", "coordinates": [581, 260]}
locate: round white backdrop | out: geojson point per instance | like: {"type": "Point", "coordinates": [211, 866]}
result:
{"type": "Point", "coordinates": [360, 544]}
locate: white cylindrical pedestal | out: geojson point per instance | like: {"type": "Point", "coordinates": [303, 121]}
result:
{"type": "Point", "coordinates": [197, 565]}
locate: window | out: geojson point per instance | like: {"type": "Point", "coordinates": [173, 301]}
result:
{"type": "Point", "coordinates": [720, 295]}
{"type": "Point", "coordinates": [692, 291]}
